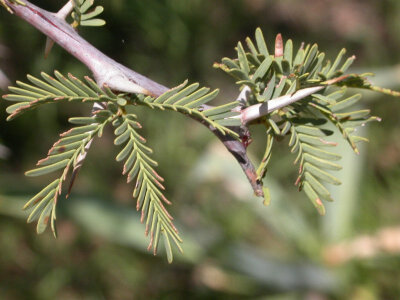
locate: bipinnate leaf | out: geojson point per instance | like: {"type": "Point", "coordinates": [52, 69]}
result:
{"type": "Point", "coordinates": [63, 155]}
{"type": "Point", "coordinates": [268, 77]}
{"type": "Point", "coordinates": [308, 140]}
{"type": "Point", "coordinates": [148, 184]}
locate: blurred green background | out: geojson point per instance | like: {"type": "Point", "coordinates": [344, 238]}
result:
{"type": "Point", "coordinates": [235, 248]}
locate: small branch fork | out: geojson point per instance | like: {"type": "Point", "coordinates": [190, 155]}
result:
{"type": "Point", "coordinates": [107, 71]}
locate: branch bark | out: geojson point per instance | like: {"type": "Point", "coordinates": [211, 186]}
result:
{"type": "Point", "coordinates": [105, 70]}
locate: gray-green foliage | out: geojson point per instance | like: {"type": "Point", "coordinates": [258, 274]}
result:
{"type": "Point", "coordinates": [270, 75]}
{"type": "Point", "coordinates": [138, 166]}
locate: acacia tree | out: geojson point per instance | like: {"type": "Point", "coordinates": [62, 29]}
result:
{"type": "Point", "coordinates": [291, 93]}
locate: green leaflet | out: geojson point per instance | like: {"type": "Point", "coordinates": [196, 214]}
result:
{"type": "Point", "coordinates": [125, 152]}
{"type": "Point", "coordinates": [243, 62]}
{"type": "Point", "coordinates": [262, 168]}
{"type": "Point", "coordinates": [317, 186]}
{"type": "Point", "coordinates": [325, 176]}
{"type": "Point", "coordinates": [183, 93]}
{"type": "Point", "coordinates": [48, 169]}
{"type": "Point", "coordinates": [346, 103]}
{"type": "Point", "coordinates": [94, 13]}
{"type": "Point", "coordinates": [18, 98]}
{"type": "Point", "coordinates": [288, 52]}
{"type": "Point", "coordinates": [298, 59]}
{"type": "Point", "coordinates": [254, 53]}
{"type": "Point", "coordinates": [323, 99]}
{"type": "Point", "coordinates": [320, 152]}
{"type": "Point", "coordinates": [353, 115]}
{"type": "Point", "coordinates": [317, 66]}
{"type": "Point", "coordinates": [92, 22]}
{"type": "Point", "coordinates": [25, 92]}
{"type": "Point", "coordinates": [315, 140]}
{"type": "Point", "coordinates": [44, 218]}
{"type": "Point", "coordinates": [313, 196]}
{"type": "Point", "coordinates": [224, 116]}
{"type": "Point", "coordinates": [263, 68]}
{"type": "Point", "coordinates": [51, 159]}
{"type": "Point", "coordinates": [269, 90]}
{"type": "Point", "coordinates": [357, 123]}
{"type": "Point", "coordinates": [83, 87]}
{"type": "Point", "coordinates": [221, 109]}
{"type": "Point", "coordinates": [122, 138]}
{"type": "Point", "coordinates": [347, 64]}
{"type": "Point", "coordinates": [336, 63]}
{"type": "Point", "coordinates": [322, 163]}
{"type": "Point", "coordinates": [167, 245]}
{"type": "Point", "coordinates": [262, 46]}
{"type": "Point", "coordinates": [75, 90]}
{"type": "Point", "coordinates": [194, 97]}
{"type": "Point", "coordinates": [41, 194]}
{"type": "Point", "coordinates": [279, 88]}
{"type": "Point", "coordinates": [238, 74]}
{"type": "Point", "coordinates": [12, 108]}
{"type": "Point", "coordinates": [230, 63]}
{"type": "Point", "coordinates": [202, 100]}
{"type": "Point", "coordinates": [286, 128]}
{"type": "Point", "coordinates": [51, 90]}
{"type": "Point", "coordinates": [81, 120]}
{"type": "Point", "coordinates": [274, 126]}
{"type": "Point", "coordinates": [72, 139]}
{"type": "Point", "coordinates": [314, 131]}
{"type": "Point", "coordinates": [312, 54]}
{"type": "Point", "coordinates": [38, 210]}
{"type": "Point", "coordinates": [58, 85]}
{"type": "Point", "coordinates": [82, 17]}
{"type": "Point", "coordinates": [169, 93]}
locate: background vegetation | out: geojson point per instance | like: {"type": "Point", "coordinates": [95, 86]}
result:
{"type": "Point", "coordinates": [234, 247]}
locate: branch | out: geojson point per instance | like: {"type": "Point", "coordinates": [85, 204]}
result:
{"type": "Point", "coordinates": [107, 71]}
